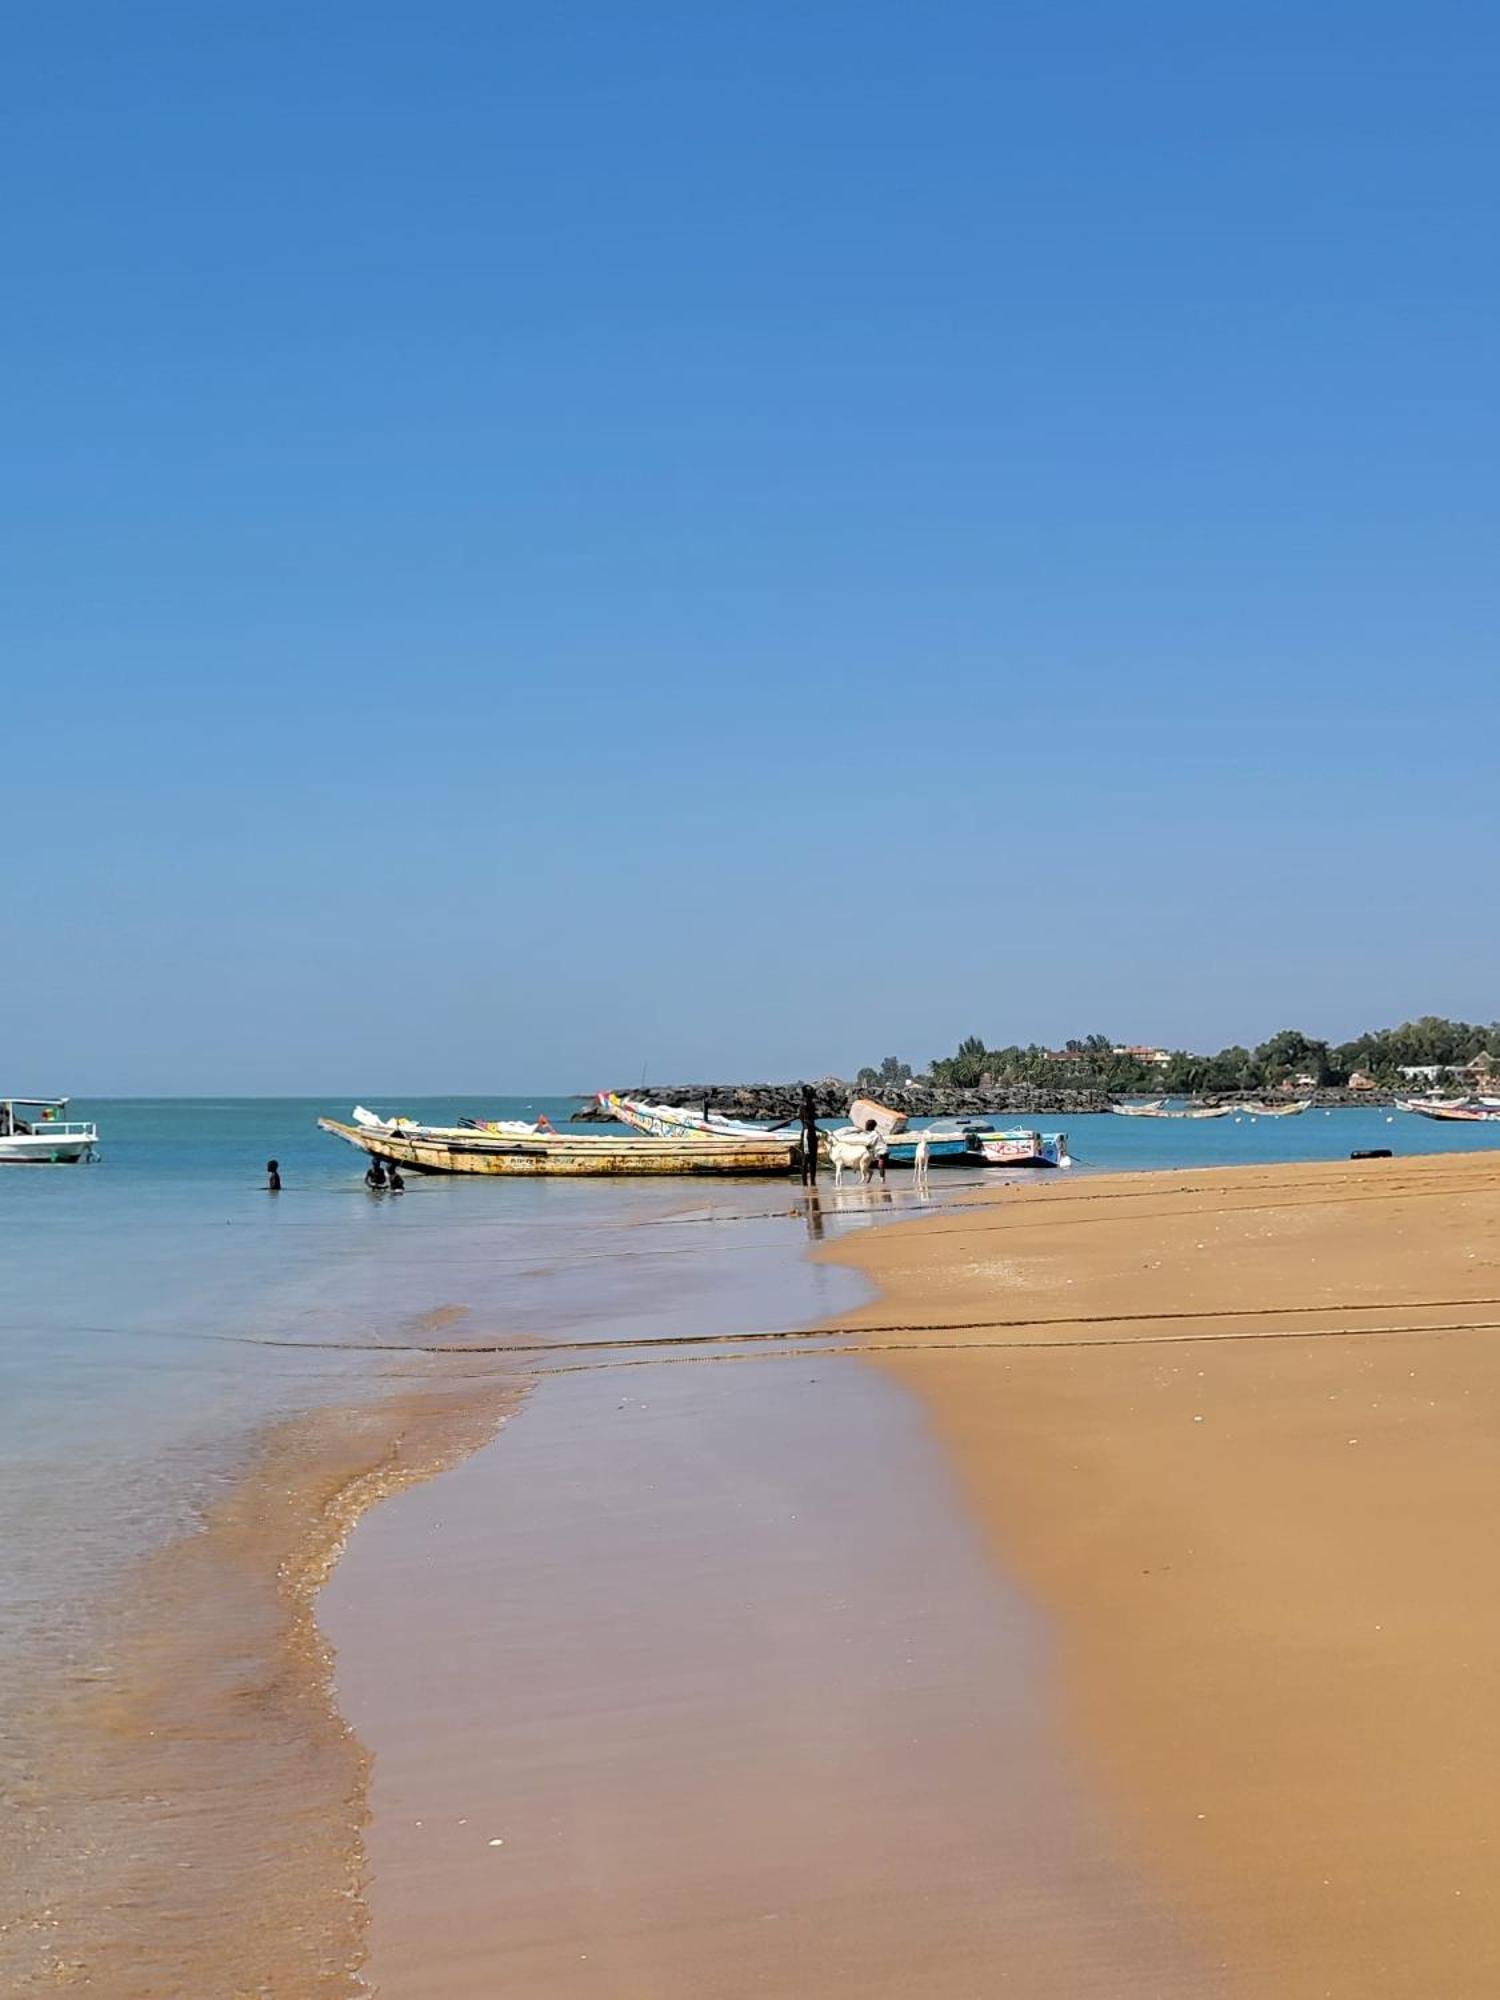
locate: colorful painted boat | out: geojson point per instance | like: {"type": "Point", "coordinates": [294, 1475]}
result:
{"type": "Point", "coordinates": [458, 1149]}
{"type": "Point", "coordinates": [676, 1121]}
{"type": "Point", "coordinates": [1468, 1112]}
{"type": "Point", "coordinates": [1292, 1110]}
{"type": "Point", "coordinates": [1021, 1148]}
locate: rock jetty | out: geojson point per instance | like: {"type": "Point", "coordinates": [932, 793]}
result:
{"type": "Point", "coordinates": [775, 1102]}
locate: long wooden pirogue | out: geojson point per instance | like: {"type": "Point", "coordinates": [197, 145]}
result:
{"type": "Point", "coordinates": [431, 1149]}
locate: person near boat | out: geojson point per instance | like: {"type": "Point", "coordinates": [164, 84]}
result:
{"type": "Point", "coordinates": [375, 1175]}
{"type": "Point", "coordinates": [808, 1119]}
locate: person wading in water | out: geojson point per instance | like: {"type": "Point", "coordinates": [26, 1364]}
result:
{"type": "Point", "coordinates": [809, 1122]}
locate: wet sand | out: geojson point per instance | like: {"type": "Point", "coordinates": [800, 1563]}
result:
{"type": "Point", "coordinates": [184, 1803]}
{"type": "Point", "coordinates": [1239, 1434]}
{"type": "Point", "coordinates": [701, 1682]}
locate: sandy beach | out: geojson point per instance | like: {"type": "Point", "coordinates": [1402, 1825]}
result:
{"type": "Point", "coordinates": [1121, 1630]}
{"type": "Point", "coordinates": [1239, 1435]}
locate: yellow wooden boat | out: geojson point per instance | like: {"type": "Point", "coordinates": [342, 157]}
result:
{"type": "Point", "coordinates": [434, 1149]}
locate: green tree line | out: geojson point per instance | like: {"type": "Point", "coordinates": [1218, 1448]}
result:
{"type": "Point", "coordinates": [1090, 1062]}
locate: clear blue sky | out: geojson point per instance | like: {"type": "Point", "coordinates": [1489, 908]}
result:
{"type": "Point", "coordinates": [740, 539]}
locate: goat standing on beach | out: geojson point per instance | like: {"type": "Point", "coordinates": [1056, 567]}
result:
{"type": "Point", "coordinates": [919, 1161]}
{"type": "Point", "coordinates": [849, 1148]}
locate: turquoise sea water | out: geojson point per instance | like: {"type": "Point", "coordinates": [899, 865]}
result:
{"type": "Point", "coordinates": [159, 1308]}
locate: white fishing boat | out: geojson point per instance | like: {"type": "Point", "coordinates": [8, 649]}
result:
{"type": "Point", "coordinates": [1161, 1109]}
{"type": "Point", "coordinates": [1021, 1148]}
{"type": "Point", "coordinates": [33, 1132]}
{"type": "Point", "coordinates": [474, 1149]}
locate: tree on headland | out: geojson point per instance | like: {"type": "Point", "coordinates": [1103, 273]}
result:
{"type": "Point", "coordinates": [1291, 1054]}
{"type": "Point", "coordinates": [893, 1074]}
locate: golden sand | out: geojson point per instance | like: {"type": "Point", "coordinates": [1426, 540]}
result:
{"type": "Point", "coordinates": [1239, 1432]}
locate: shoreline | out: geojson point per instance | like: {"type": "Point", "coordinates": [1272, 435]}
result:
{"type": "Point", "coordinates": [188, 1807]}
{"type": "Point", "coordinates": [702, 1681]}
{"type": "Point", "coordinates": [1236, 1430]}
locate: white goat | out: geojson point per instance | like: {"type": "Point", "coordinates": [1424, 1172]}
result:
{"type": "Point", "coordinates": [919, 1160]}
{"type": "Point", "coordinates": [848, 1148]}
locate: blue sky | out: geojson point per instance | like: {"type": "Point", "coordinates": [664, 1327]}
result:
{"type": "Point", "coordinates": [741, 540]}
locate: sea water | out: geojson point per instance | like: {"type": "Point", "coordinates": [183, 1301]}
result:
{"type": "Point", "coordinates": [159, 1307]}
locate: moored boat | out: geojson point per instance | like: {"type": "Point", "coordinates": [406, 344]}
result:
{"type": "Point", "coordinates": [950, 1142]}
{"type": "Point", "coordinates": [1464, 1111]}
{"type": "Point", "coordinates": [1292, 1110]}
{"type": "Point", "coordinates": [1021, 1148]}
{"type": "Point", "coordinates": [48, 1139]}
{"type": "Point", "coordinates": [674, 1121]}
{"type": "Point", "coordinates": [428, 1149]}
{"type": "Point", "coordinates": [1161, 1110]}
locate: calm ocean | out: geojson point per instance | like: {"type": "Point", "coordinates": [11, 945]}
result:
{"type": "Point", "coordinates": [159, 1308]}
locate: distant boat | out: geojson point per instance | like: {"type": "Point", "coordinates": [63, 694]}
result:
{"type": "Point", "coordinates": [468, 1149]}
{"type": "Point", "coordinates": [1292, 1110]}
{"type": "Point", "coordinates": [47, 1139]}
{"type": "Point", "coordinates": [1462, 1111]}
{"type": "Point", "coordinates": [1160, 1110]}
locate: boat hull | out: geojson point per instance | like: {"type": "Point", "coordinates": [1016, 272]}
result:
{"type": "Point", "coordinates": [45, 1149]}
{"type": "Point", "coordinates": [1447, 1114]}
{"type": "Point", "coordinates": [953, 1149]}
{"type": "Point", "coordinates": [1025, 1149]}
{"type": "Point", "coordinates": [459, 1152]}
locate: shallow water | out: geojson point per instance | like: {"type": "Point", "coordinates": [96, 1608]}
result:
{"type": "Point", "coordinates": [139, 1297]}
{"type": "Point", "coordinates": [194, 1377]}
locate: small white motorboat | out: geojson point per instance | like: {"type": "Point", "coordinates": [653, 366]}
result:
{"type": "Point", "coordinates": [33, 1132]}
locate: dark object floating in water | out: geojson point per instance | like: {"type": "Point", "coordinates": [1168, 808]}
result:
{"type": "Point", "coordinates": [1373, 1153]}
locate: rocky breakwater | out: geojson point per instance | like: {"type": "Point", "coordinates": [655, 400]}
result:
{"type": "Point", "coordinates": [776, 1102]}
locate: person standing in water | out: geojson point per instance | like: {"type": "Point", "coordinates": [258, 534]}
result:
{"type": "Point", "coordinates": [273, 1177]}
{"type": "Point", "coordinates": [393, 1179]}
{"type": "Point", "coordinates": [375, 1175]}
{"type": "Point", "coordinates": [808, 1117]}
